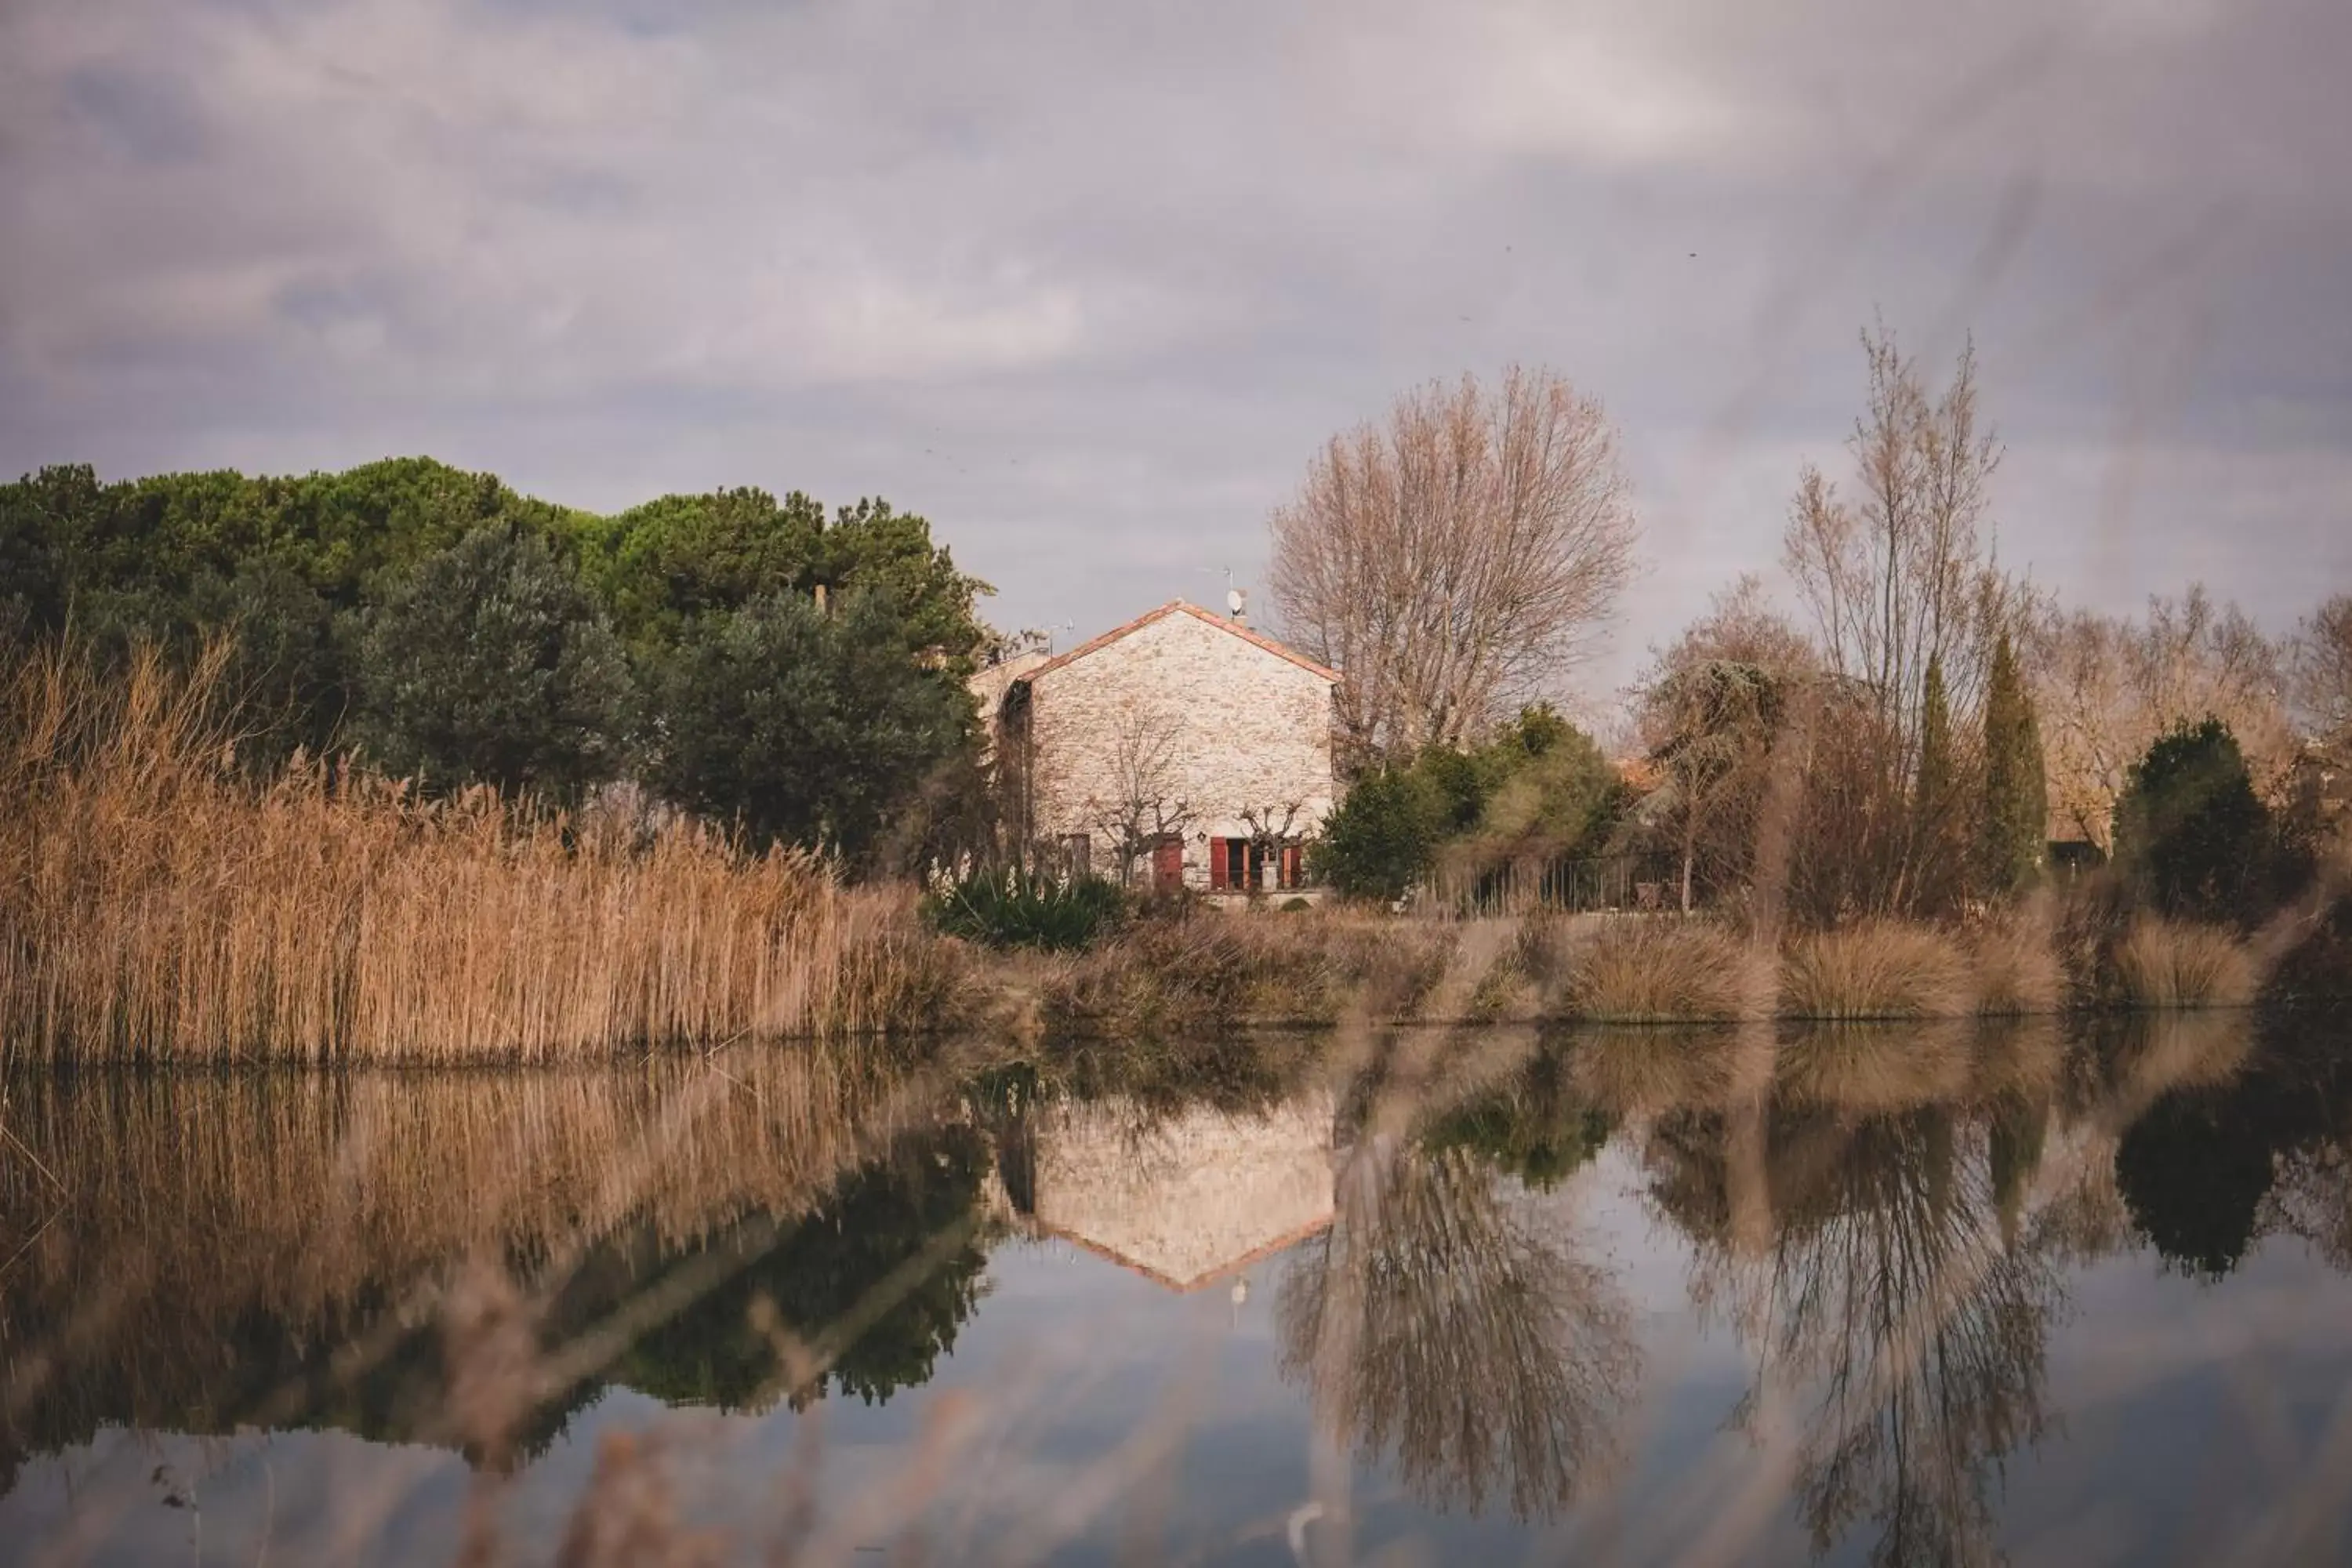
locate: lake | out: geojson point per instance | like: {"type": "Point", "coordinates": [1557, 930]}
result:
{"type": "Point", "coordinates": [1965, 1294]}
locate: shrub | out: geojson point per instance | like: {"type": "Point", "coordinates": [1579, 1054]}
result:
{"type": "Point", "coordinates": [1008, 909]}
{"type": "Point", "coordinates": [1292, 906]}
{"type": "Point", "coordinates": [1382, 839]}
{"type": "Point", "coordinates": [1654, 971]}
{"type": "Point", "coordinates": [2191, 836]}
{"type": "Point", "coordinates": [1170, 979]}
{"type": "Point", "coordinates": [2172, 963]}
{"type": "Point", "coordinates": [1877, 969]}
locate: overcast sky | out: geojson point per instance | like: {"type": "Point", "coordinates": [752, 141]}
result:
{"type": "Point", "coordinates": [1088, 284]}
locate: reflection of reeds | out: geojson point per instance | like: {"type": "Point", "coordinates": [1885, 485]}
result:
{"type": "Point", "coordinates": [2018, 1056]}
{"type": "Point", "coordinates": [1634, 1072]}
{"type": "Point", "coordinates": [315, 1202]}
{"type": "Point", "coordinates": [2153, 1054]}
{"type": "Point", "coordinates": [1877, 969]}
{"type": "Point", "coordinates": [2172, 963]}
{"type": "Point", "coordinates": [155, 903]}
{"type": "Point", "coordinates": [1875, 1067]}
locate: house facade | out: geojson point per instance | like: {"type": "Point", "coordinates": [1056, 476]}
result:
{"type": "Point", "coordinates": [1183, 748]}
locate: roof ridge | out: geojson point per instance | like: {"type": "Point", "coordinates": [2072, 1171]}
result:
{"type": "Point", "coordinates": [1173, 607]}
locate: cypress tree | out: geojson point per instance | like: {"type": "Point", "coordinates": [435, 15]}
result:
{"type": "Point", "coordinates": [2016, 797]}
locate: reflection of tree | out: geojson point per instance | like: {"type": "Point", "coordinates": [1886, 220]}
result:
{"type": "Point", "coordinates": [2193, 1173]}
{"type": "Point", "coordinates": [839, 1264]}
{"type": "Point", "coordinates": [1890, 1299]}
{"type": "Point", "coordinates": [1533, 1126]}
{"type": "Point", "coordinates": [2199, 1169]}
{"type": "Point", "coordinates": [1435, 1320]}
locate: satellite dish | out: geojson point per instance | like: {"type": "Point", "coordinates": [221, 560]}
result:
{"type": "Point", "coordinates": [1235, 600]}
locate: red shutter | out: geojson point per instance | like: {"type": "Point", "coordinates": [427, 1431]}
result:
{"type": "Point", "coordinates": [1216, 863]}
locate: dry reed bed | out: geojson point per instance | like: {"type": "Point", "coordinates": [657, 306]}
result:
{"type": "Point", "coordinates": [155, 904]}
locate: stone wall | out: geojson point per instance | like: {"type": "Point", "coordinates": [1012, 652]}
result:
{"type": "Point", "coordinates": [1236, 729]}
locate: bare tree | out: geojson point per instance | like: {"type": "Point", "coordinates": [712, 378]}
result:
{"type": "Point", "coordinates": [1902, 578]}
{"type": "Point", "coordinates": [1136, 803]}
{"type": "Point", "coordinates": [1457, 560]}
{"type": "Point", "coordinates": [1272, 827]}
{"type": "Point", "coordinates": [2321, 666]}
{"type": "Point", "coordinates": [2109, 686]}
{"type": "Point", "coordinates": [1908, 605]}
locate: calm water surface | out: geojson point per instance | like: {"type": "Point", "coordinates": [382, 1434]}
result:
{"type": "Point", "coordinates": [1949, 1295]}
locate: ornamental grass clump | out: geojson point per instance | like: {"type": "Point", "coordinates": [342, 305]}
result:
{"type": "Point", "coordinates": [2164, 963]}
{"type": "Point", "coordinates": [2013, 969]}
{"type": "Point", "coordinates": [1876, 969]}
{"type": "Point", "coordinates": [1640, 970]}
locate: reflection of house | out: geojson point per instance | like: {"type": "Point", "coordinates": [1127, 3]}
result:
{"type": "Point", "coordinates": [1183, 739]}
{"type": "Point", "coordinates": [1187, 1199]}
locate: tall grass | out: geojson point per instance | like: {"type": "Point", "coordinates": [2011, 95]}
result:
{"type": "Point", "coordinates": [1212, 972]}
{"type": "Point", "coordinates": [2013, 966]}
{"type": "Point", "coordinates": [1638, 971]}
{"type": "Point", "coordinates": [1875, 968]}
{"type": "Point", "coordinates": [2173, 964]}
{"type": "Point", "coordinates": [156, 904]}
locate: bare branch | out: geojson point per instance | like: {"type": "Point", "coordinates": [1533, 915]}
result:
{"type": "Point", "coordinates": [1458, 560]}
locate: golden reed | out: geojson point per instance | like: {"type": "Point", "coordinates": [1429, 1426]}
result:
{"type": "Point", "coordinates": [155, 904]}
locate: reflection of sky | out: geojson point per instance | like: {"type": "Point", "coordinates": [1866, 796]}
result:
{"type": "Point", "coordinates": [2181, 1412]}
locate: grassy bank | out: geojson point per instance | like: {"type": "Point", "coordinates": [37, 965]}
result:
{"type": "Point", "coordinates": [156, 903]}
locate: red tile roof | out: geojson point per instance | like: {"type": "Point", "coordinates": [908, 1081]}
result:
{"type": "Point", "coordinates": [1171, 607]}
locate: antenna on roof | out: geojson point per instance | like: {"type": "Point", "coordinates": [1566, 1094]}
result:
{"type": "Point", "coordinates": [1238, 603]}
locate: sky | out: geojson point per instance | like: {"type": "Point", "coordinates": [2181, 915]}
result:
{"type": "Point", "coordinates": [1090, 285]}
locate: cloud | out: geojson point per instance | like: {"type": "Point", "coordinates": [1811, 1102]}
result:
{"type": "Point", "coordinates": [1088, 285]}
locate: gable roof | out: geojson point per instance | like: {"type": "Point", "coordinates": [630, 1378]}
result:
{"type": "Point", "coordinates": [1257, 1255]}
{"type": "Point", "coordinates": [1178, 606]}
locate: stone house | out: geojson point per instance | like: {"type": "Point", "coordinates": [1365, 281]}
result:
{"type": "Point", "coordinates": [1182, 746]}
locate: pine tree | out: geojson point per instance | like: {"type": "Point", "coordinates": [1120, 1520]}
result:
{"type": "Point", "coordinates": [2016, 803]}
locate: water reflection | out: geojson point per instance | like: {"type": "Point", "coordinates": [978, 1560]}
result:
{"type": "Point", "coordinates": [1445, 1323]}
{"type": "Point", "coordinates": [1896, 1309]}
{"type": "Point", "coordinates": [1888, 1226]}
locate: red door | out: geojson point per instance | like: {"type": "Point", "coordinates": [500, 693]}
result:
{"type": "Point", "coordinates": [1168, 866]}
